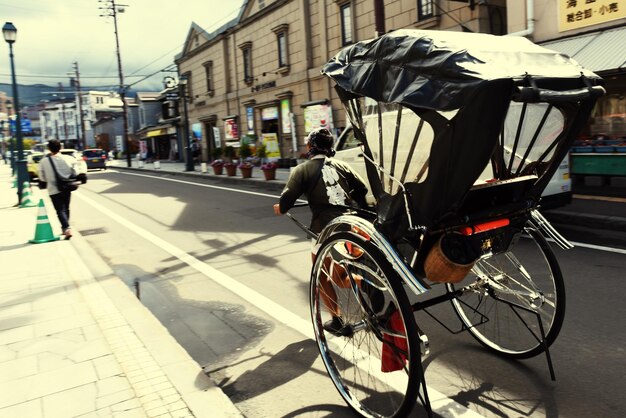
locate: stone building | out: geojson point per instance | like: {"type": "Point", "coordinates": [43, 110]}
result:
{"type": "Point", "coordinates": [257, 78]}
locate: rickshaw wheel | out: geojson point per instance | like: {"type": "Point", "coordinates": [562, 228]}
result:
{"type": "Point", "coordinates": [375, 361]}
{"type": "Point", "coordinates": [507, 294]}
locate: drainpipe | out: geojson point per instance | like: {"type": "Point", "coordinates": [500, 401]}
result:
{"type": "Point", "coordinates": [379, 18]}
{"type": "Point", "coordinates": [530, 20]}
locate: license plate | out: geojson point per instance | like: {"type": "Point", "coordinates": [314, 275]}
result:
{"type": "Point", "coordinates": [95, 161]}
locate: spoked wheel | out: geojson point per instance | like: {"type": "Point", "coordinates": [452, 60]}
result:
{"type": "Point", "coordinates": [374, 360]}
{"type": "Point", "coordinates": [511, 299]}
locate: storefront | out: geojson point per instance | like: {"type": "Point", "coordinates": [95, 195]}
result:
{"type": "Point", "coordinates": [160, 143]}
{"type": "Point", "coordinates": [213, 138]}
{"type": "Point", "coordinates": [270, 133]}
{"type": "Point", "coordinates": [601, 147]}
{"type": "Point", "coordinates": [602, 52]}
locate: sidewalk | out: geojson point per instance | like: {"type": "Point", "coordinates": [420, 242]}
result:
{"type": "Point", "coordinates": [74, 341]}
{"type": "Point", "coordinates": [602, 207]}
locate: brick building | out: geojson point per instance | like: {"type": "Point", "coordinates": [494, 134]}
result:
{"type": "Point", "coordinates": [257, 78]}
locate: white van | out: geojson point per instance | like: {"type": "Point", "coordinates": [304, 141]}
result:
{"type": "Point", "coordinates": [557, 193]}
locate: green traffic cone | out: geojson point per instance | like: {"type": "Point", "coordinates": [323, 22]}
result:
{"type": "Point", "coordinates": [43, 231]}
{"type": "Point", "coordinates": [14, 183]}
{"type": "Point", "coordinates": [26, 202]}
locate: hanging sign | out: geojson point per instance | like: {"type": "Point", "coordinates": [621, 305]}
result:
{"type": "Point", "coordinates": [250, 119]}
{"type": "Point", "coordinates": [216, 137]}
{"type": "Point", "coordinates": [284, 111]}
{"type": "Point", "coordinates": [318, 116]}
{"type": "Point", "coordinates": [231, 129]}
{"type": "Point", "coordinates": [269, 113]}
{"type": "Point", "coordinates": [270, 140]}
{"type": "Point", "coordinates": [574, 14]}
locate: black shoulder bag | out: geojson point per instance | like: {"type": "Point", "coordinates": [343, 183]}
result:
{"type": "Point", "coordinates": [64, 185]}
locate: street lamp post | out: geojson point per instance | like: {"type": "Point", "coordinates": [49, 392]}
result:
{"type": "Point", "coordinates": [182, 83]}
{"type": "Point", "coordinates": [10, 34]}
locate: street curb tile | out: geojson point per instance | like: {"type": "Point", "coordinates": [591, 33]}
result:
{"type": "Point", "coordinates": [152, 359]}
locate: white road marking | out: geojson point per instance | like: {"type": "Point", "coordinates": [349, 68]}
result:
{"type": "Point", "coordinates": [597, 247]}
{"type": "Point", "coordinates": [210, 186]}
{"type": "Point", "coordinates": [441, 404]}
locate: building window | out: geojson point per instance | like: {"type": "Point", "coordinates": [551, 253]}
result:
{"type": "Point", "coordinates": [246, 50]}
{"type": "Point", "coordinates": [208, 71]}
{"type": "Point", "coordinates": [424, 9]}
{"type": "Point", "coordinates": [346, 24]}
{"type": "Point", "coordinates": [283, 50]}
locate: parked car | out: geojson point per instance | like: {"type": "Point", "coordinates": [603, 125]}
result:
{"type": "Point", "coordinates": [82, 166]}
{"type": "Point", "coordinates": [25, 152]}
{"type": "Point", "coordinates": [95, 158]}
{"type": "Point", "coordinates": [32, 164]}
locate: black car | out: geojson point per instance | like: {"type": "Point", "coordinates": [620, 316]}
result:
{"type": "Point", "coordinates": [95, 158]}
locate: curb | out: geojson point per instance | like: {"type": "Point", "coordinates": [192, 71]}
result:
{"type": "Point", "coordinates": [201, 395]}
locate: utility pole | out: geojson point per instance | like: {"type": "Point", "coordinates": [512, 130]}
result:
{"type": "Point", "coordinates": [62, 98]}
{"type": "Point", "coordinates": [110, 9]}
{"type": "Point", "coordinates": [79, 105]}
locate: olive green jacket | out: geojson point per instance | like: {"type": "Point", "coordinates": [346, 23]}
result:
{"type": "Point", "coordinates": [328, 189]}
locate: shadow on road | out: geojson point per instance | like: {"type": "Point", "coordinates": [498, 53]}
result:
{"type": "Point", "coordinates": [290, 363]}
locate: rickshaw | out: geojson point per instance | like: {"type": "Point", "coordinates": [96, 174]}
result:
{"type": "Point", "coordinates": [460, 133]}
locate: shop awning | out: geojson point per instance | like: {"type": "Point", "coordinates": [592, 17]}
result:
{"type": "Point", "coordinates": [598, 51]}
{"type": "Point", "coordinates": [157, 131]}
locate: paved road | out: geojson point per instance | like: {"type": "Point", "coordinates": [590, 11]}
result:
{"type": "Point", "coordinates": [229, 280]}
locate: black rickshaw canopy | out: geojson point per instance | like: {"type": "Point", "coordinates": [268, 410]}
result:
{"type": "Point", "coordinates": [484, 101]}
{"type": "Point", "coordinates": [441, 69]}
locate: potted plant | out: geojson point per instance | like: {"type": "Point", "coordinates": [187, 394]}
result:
{"type": "Point", "coordinates": [269, 170]}
{"type": "Point", "coordinates": [231, 169]}
{"type": "Point", "coordinates": [218, 166]}
{"type": "Point", "coordinates": [246, 169]}
{"type": "Point", "coordinates": [230, 166]}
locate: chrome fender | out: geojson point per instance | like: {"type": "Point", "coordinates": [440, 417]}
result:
{"type": "Point", "coordinates": [406, 275]}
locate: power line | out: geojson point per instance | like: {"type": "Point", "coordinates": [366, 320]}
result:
{"type": "Point", "coordinates": [64, 76]}
{"type": "Point", "coordinates": [214, 25]}
{"type": "Point", "coordinates": [152, 75]}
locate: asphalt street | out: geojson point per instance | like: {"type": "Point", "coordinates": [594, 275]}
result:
{"type": "Point", "coordinates": [229, 281]}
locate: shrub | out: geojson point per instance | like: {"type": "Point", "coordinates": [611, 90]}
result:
{"type": "Point", "coordinates": [229, 152]}
{"type": "Point", "coordinates": [244, 151]}
{"type": "Point", "coordinates": [217, 153]}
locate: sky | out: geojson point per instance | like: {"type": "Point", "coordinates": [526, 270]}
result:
{"type": "Point", "coordinates": [53, 34]}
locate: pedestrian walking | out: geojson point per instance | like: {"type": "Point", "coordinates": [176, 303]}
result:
{"type": "Point", "coordinates": [53, 169]}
